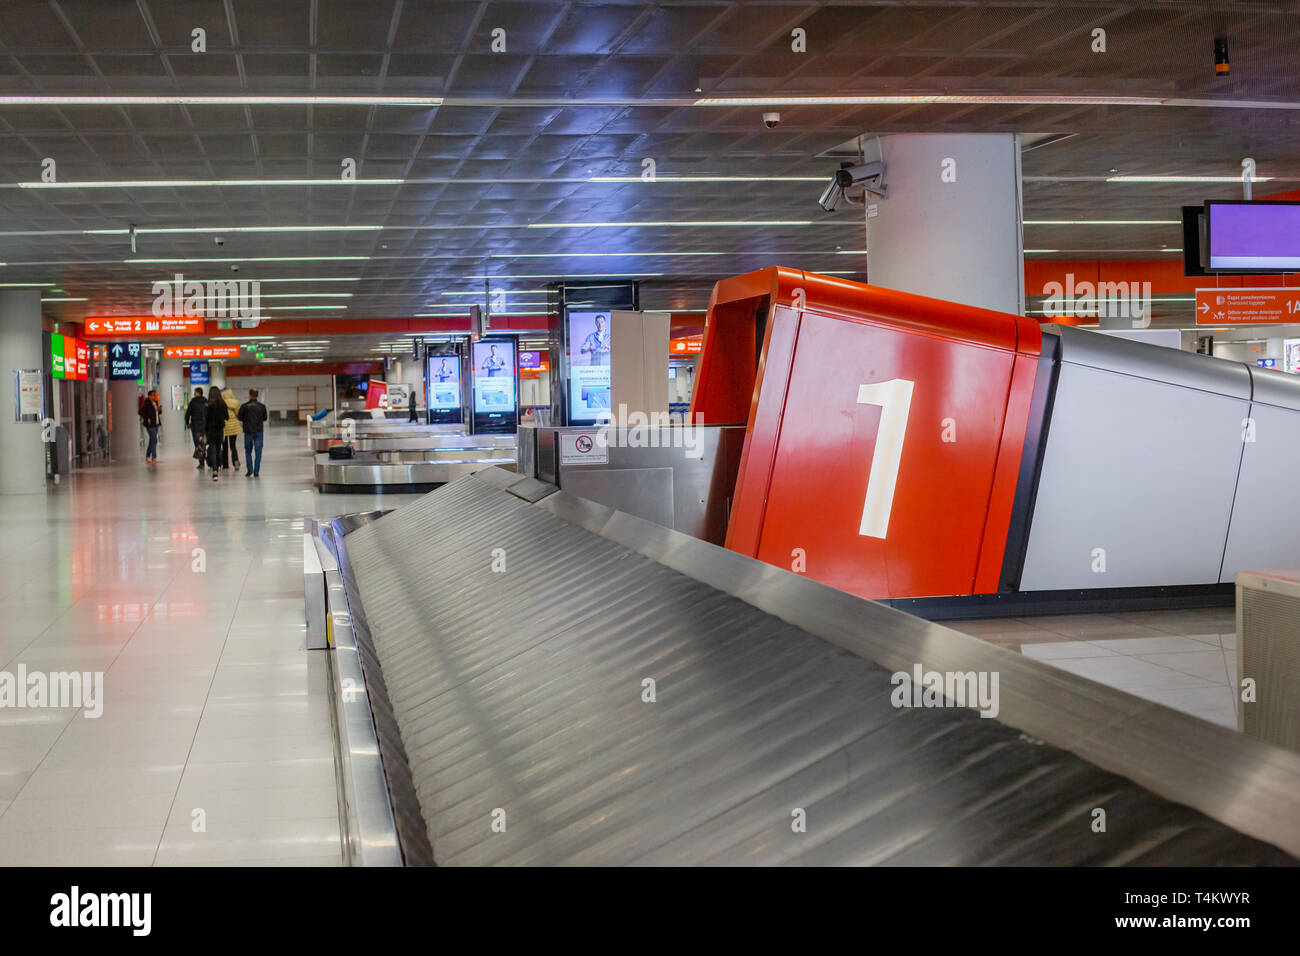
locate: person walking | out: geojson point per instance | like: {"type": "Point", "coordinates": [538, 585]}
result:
{"type": "Point", "coordinates": [214, 428]}
{"type": "Point", "coordinates": [252, 415]}
{"type": "Point", "coordinates": [230, 450]}
{"type": "Point", "coordinates": [149, 418]}
{"type": "Point", "coordinates": [196, 415]}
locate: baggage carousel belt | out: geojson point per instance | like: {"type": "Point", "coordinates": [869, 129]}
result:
{"type": "Point", "coordinates": [513, 648]}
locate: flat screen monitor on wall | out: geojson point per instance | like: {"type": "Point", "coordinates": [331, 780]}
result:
{"type": "Point", "coordinates": [589, 338]}
{"type": "Point", "coordinates": [1252, 236]}
{"type": "Point", "coordinates": [496, 386]}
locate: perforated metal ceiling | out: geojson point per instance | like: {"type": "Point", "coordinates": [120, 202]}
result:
{"type": "Point", "coordinates": [585, 90]}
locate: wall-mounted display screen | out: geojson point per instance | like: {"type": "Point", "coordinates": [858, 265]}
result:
{"type": "Point", "coordinates": [589, 377]}
{"type": "Point", "coordinates": [495, 385]}
{"type": "Point", "coordinates": [1252, 236]}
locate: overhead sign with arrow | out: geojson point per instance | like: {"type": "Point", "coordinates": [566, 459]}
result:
{"type": "Point", "coordinates": [111, 326]}
{"type": "Point", "coordinates": [125, 362]}
{"type": "Point", "coordinates": [1247, 306]}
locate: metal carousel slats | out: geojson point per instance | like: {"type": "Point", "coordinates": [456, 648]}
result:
{"type": "Point", "coordinates": [520, 689]}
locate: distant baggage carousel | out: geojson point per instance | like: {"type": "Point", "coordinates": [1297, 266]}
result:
{"type": "Point", "coordinates": [411, 464]}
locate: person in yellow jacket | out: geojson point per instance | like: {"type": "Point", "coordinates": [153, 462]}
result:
{"type": "Point", "coordinates": [230, 438]}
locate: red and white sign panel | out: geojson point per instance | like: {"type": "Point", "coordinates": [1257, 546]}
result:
{"type": "Point", "coordinates": [109, 326]}
{"type": "Point", "coordinates": [201, 351]}
{"type": "Point", "coordinates": [1247, 306]}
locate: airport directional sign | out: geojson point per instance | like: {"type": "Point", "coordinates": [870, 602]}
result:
{"type": "Point", "coordinates": [125, 362]}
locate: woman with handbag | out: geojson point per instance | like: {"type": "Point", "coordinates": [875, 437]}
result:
{"type": "Point", "coordinates": [215, 428]}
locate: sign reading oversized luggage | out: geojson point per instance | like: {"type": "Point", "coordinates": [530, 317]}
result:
{"type": "Point", "coordinates": [1247, 306]}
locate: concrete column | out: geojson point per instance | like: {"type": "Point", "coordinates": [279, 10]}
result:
{"type": "Point", "coordinates": [173, 422]}
{"type": "Point", "coordinates": [950, 226]}
{"type": "Point", "coordinates": [124, 441]}
{"type": "Point", "coordinates": [22, 453]}
{"type": "Point", "coordinates": [413, 375]}
{"type": "Point", "coordinates": [217, 370]}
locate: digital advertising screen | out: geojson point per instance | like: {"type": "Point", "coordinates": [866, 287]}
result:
{"type": "Point", "coordinates": [1253, 236]}
{"type": "Point", "coordinates": [495, 383]}
{"type": "Point", "coordinates": [589, 381]}
{"type": "Point", "coordinates": [1291, 355]}
{"type": "Point", "coordinates": [444, 382]}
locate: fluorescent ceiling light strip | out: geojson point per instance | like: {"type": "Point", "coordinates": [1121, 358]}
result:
{"type": "Point", "coordinates": [450, 315]}
{"type": "Point", "coordinates": [1185, 179]}
{"type": "Point", "coordinates": [302, 308]}
{"type": "Point", "coordinates": [193, 183]}
{"type": "Point", "coordinates": [1103, 222]}
{"type": "Point", "coordinates": [687, 224]}
{"type": "Point", "coordinates": [305, 279]}
{"type": "Point", "coordinates": [608, 255]}
{"type": "Point", "coordinates": [26, 285]}
{"type": "Point", "coordinates": [457, 305]}
{"type": "Point", "coordinates": [919, 99]}
{"type": "Point", "coordinates": [65, 300]}
{"type": "Point", "coordinates": [1157, 298]}
{"type": "Point", "coordinates": [579, 275]}
{"type": "Point", "coordinates": [259, 259]}
{"type": "Point", "coordinates": [275, 295]}
{"type": "Point", "coordinates": [303, 295]}
{"type": "Point", "coordinates": [707, 179]}
{"type": "Point", "coordinates": [499, 292]}
{"type": "Point", "coordinates": [148, 230]}
{"type": "Point", "coordinates": [1030, 251]}
{"type": "Point", "coordinates": [244, 99]}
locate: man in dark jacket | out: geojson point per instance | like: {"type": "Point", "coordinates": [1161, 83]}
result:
{"type": "Point", "coordinates": [196, 417]}
{"type": "Point", "coordinates": [252, 415]}
{"type": "Point", "coordinates": [149, 418]}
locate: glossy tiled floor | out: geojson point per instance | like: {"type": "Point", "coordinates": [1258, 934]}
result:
{"type": "Point", "coordinates": [1183, 659]}
{"type": "Point", "coordinates": [213, 708]}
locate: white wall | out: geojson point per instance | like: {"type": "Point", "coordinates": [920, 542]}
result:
{"type": "Point", "coordinates": [22, 454]}
{"type": "Point", "coordinates": [279, 392]}
{"type": "Point", "coordinates": [1241, 351]}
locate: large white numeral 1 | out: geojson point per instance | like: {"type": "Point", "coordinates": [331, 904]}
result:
{"type": "Point", "coordinates": [895, 400]}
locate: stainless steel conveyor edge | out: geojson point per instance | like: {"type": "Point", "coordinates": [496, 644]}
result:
{"type": "Point", "coordinates": [368, 832]}
{"type": "Point", "coordinates": [1246, 784]}
{"type": "Point", "coordinates": [382, 822]}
